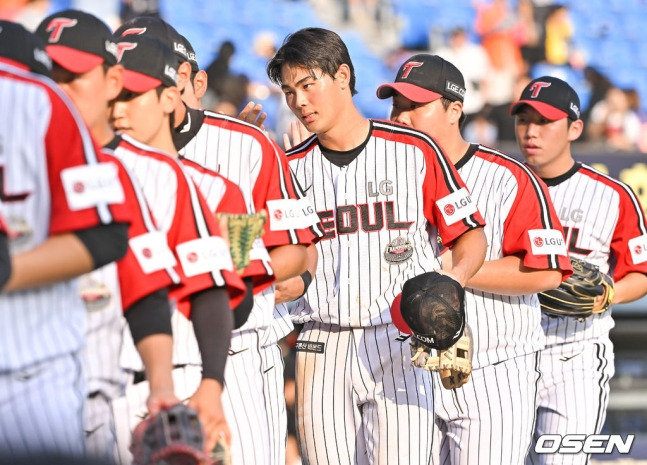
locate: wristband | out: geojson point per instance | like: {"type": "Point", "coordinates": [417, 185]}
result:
{"type": "Point", "coordinates": [307, 279]}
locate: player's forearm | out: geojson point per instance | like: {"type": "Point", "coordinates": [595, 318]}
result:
{"type": "Point", "coordinates": [293, 288]}
{"type": "Point", "coordinates": [631, 287]}
{"type": "Point", "coordinates": [508, 276]}
{"type": "Point", "coordinates": [288, 261]}
{"type": "Point", "coordinates": [59, 258]}
{"type": "Point", "coordinates": [156, 352]}
{"type": "Point", "coordinates": [468, 254]}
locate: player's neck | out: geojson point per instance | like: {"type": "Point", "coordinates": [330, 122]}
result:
{"type": "Point", "coordinates": [102, 133]}
{"type": "Point", "coordinates": [454, 146]}
{"type": "Point", "coordinates": [349, 131]}
{"type": "Point", "coordinates": [555, 168]}
{"type": "Point", "coordinates": [164, 141]}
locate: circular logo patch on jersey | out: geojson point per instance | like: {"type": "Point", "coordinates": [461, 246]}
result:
{"type": "Point", "coordinates": [20, 233]}
{"type": "Point", "coordinates": [449, 209]}
{"type": "Point", "coordinates": [146, 252]}
{"type": "Point", "coordinates": [278, 214]}
{"type": "Point", "coordinates": [79, 187]}
{"type": "Point", "coordinates": [638, 250]}
{"type": "Point", "coordinates": [96, 295]}
{"type": "Point", "coordinates": [192, 257]}
{"type": "Point", "coordinates": [398, 250]}
{"type": "Point", "coordinates": [539, 241]}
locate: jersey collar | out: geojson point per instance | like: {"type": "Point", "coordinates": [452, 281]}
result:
{"type": "Point", "coordinates": [563, 177]}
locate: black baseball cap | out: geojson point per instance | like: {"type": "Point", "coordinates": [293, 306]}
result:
{"type": "Point", "coordinates": [551, 97]}
{"type": "Point", "coordinates": [158, 28]}
{"type": "Point", "coordinates": [147, 62]}
{"type": "Point", "coordinates": [190, 54]}
{"type": "Point", "coordinates": [424, 78]}
{"type": "Point", "coordinates": [77, 41]}
{"type": "Point", "coordinates": [24, 48]}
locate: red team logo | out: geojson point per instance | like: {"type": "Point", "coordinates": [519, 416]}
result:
{"type": "Point", "coordinates": [449, 209]}
{"type": "Point", "coordinates": [536, 87]}
{"type": "Point", "coordinates": [122, 47]}
{"type": "Point", "coordinates": [638, 250]}
{"type": "Point", "coordinates": [192, 257]}
{"type": "Point", "coordinates": [79, 187]}
{"type": "Point", "coordinates": [278, 215]}
{"type": "Point", "coordinates": [147, 252]}
{"type": "Point", "coordinates": [56, 27]}
{"type": "Point", "coordinates": [134, 30]}
{"type": "Point", "coordinates": [539, 242]}
{"type": "Point", "coordinates": [406, 69]}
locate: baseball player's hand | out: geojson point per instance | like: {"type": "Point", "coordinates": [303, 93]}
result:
{"type": "Point", "coordinates": [253, 113]}
{"type": "Point", "coordinates": [207, 402]}
{"type": "Point", "coordinates": [298, 132]}
{"type": "Point", "coordinates": [159, 399]}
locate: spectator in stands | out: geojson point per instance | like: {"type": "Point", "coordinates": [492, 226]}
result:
{"type": "Point", "coordinates": [495, 22]}
{"type": "Point", "coordinates": [499, 113]}
{"type": "Point", "coordinates": [218, 70]}
{"type": "Point", "coordinates": [474, 63]}
{"type": "Point", "coordinates": [528, 34]}
{"type": "Point", "coordinates": [614, 122]}
{"type": "Point", "coordinates": [559, 31]}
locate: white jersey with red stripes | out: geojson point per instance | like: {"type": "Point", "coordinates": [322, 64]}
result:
{"type": "Point", "coordinates": [52, 182]}
{"type": "Point", "coordinates": [375, 213]}
{"type": "Point", "coordinates": [244, 154]}
{"type": "Point", "coordinates": [519, 220]}
{"type": "Point", "coordinates": [604, 224]}
{"type": "Point", "coordinates": [201, 257]}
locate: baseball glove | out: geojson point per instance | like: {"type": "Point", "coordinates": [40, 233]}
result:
{"type": "Point", "coordinates": [174, 436]}
{"type": "Point", "coordinates": [454, 364]}
{"type": "Point", "coordinates": [243, 229]}
{"type": "Point", "coordinates": [432, 306]}
{"type": "Point", "coordinates": [585, 292]}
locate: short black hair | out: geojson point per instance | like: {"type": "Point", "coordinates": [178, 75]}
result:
{"type": "Point", "coordinates": [312, 48]}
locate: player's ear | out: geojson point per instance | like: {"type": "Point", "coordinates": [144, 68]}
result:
{"type": "Point", "coordinates": [575, 130]}
{"type": "Point", "coordinates": [200, 84]}
{"type": "Point", "coordinates": [169, 99]}
{"type": "Point", "coordinates": [114, 81]}
{"type": "Point", "coordinates": [454, 112]}
{"type": "Point", "coordinates": [342, 76]}
{"type": "Point", "coordinates": [183, 75]}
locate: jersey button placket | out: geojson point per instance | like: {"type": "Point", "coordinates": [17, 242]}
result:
{"type": "Point", "coordinates": [344, 248]}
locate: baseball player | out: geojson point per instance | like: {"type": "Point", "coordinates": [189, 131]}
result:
{"type": "Point", "coordinates": [377, 187]}
{"type": "Point", "coordinates": [501, 306]}
{"type": "Point", "coordinates": [246, 156]}
{"type": "Point", "coordinates": [143, 111]}
{"type": "Point", "coordinates": [84, 64]}
{"type": "Point", "coordinates": [66, 209]}
{"type": "Point", "coordinates": [604, 225]}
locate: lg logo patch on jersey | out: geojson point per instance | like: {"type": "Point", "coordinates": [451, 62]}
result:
{"type": "Point", "coordinates": [288, 214]}
{"type": "Point", "coordinates": [204, 256]}
{"type": "Point", "coordinates": [457, 206]}
{"type": "Point", "coordinates": [638, 249]}
{"type": "Point", "coordinates": [91, 185]}
{"type": "Point", "coordinates": [547, 242]}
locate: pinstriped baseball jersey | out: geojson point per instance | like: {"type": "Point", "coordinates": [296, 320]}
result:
{"type": "Point", "coordinates": [375, 213]}
{"type": "Point", "coordinates": [517, 212]}
{"type": "Point", "coordinates": [180, 211]}
{"type": "Point", "coordinates": [604, 224]}
{"type": "Point", "coordinates": [52, 182]}
{"type": "Point", "coordinates": [108, 291]}
{"type": "Point", "coordinates": [245, 155]}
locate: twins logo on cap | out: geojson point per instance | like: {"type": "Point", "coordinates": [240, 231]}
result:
{"type": "Point", "coordinates": [56, 26]}
{"type": "Point", "coordinates": [552, 97]}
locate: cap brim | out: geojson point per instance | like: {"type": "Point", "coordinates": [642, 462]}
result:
{"type": "Point", "coordinates": [73, 60]}
{"type": "Point", "coordinates": [396, 316]}
{"type": "Point", "coordinates": [544, 109]}
{"type": "Point", "coordinates": [138, 82]}
{"type": "Point", "coordinates": [411, 91]}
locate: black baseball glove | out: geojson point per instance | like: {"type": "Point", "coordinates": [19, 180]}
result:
{"type": "Point", "coordinates": [585, 292]}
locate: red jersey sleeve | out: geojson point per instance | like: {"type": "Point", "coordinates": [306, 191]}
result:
{"type": "Point", "coordinates": [532, 228]}
{"type": "Point", "coordinates": [629, 242]}
{"type": "Point", "coordinates": [291, 217]}
{"type": "Point", "coordinates": [148, 264]}
{"type": "Point", "coordinates": [203, 257]}
{"type": "Point", "coordinates": [85, 191]}
{"type": "Point", "coordinates": [448, 203]}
